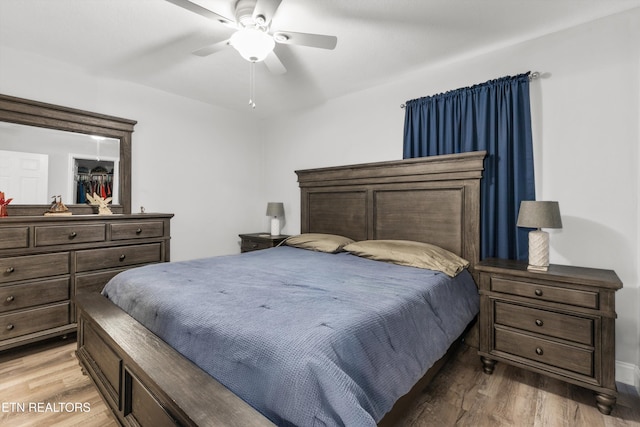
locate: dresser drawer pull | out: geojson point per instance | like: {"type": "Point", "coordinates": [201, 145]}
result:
{"type": "Point", "coordinates": [539, 322]}
{"type": "Point", "coordinates": [539, 351]}
{"type": "Point", "coordinates": [10, 298]}
{"type": "Point", "coordinates": [72, 234]}
{"type": "Point", "coordinates": [138, 230]}
{"type": "Point", "coordinates": [9, 327]}
{"type": "Point", "coordinates": [122, 257]}
{"type": "Point", "coordinates": [538, 292]}
{"type": "Point", "coordinates": [10, 270]}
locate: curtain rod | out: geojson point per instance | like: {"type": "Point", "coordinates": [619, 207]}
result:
{"type": "Point", "coordinates": [533, 76]}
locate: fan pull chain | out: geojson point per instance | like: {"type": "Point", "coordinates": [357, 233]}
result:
{"type": "Point", "coordinates": [252, 84]}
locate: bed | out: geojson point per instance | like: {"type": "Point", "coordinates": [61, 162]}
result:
{"type": "Point", "coordinates": [144, 367]}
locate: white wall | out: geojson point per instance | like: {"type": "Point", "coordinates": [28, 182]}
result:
{"type": "Point", "coordinates": [586, 137]}
{"type": "Point", "coordinates": [199, 162]}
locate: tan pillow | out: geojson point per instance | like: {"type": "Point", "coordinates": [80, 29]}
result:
{"type": "Point", "coordinates": [412, 254]}
{"type": "Point", "coordinates": [330, 243]}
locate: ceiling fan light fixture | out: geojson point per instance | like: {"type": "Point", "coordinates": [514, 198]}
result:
{"type": "Point", "coordinates": [253, 44]}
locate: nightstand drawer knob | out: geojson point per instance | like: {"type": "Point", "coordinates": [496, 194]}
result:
{"type": "Point", "coordinates": [538, 292]}
{"type": "Point", "coordinates": [539, 322]}
{"type": "Point", "coordinates": [539, 351]}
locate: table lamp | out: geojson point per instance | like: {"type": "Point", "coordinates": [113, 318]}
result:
{"type": "Point", "coordinates": [537, 214]}
{"type": "Point", "coordinates": [275, 210]}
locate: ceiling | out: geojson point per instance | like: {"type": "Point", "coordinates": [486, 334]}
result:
{"type": "Point", "coordinates": [150, 41]}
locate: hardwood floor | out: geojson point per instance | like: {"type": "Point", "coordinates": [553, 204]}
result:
{"type": "Point", "coordinates": [461, 395]}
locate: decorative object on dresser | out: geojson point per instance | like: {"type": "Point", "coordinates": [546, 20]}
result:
{"type": "Point", "coordinates": [58, 208]}
{"type": "Point", "coordinates": [45, 261]}
{"type": "Point", "coordinates": [256, 241]}
{"type": "Point", "coordinates": [276, 211]}
{"type": "Point", "coordinates": [537, 214]}
{"type": "Point", "coordinates": [102, 204]}
{"type": "Point", "coordinates": [3, 205]}
{"type": "Point", "coordinates": [560, 323]}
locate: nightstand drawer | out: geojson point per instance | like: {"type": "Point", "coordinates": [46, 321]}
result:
{"type": "Point", "coordinates": [545, 293]}
{"type": "Point", "coordinates": [565, 326]}
{"type": "Point", "coordinates": [252, 245]}
{"type": "Point", "coordinates": [547, 352]}
{"type": "Point", "coordinates": [65, 234]}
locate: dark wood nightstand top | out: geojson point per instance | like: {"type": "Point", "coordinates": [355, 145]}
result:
{"type": "Point", "coordinates": [558, 273]}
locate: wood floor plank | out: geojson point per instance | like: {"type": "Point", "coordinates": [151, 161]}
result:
{"type": "Point", "coordinates": [460, 395]}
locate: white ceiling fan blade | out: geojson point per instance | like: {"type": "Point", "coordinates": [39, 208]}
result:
{"type": "Point", "coordinates": [306, 39]}
{"type": "Point", "coordinates": [213, 48]}
{"type": "Point", "coordinates": [266, 8]}
{"type": "Point", "coordinates": [274, 64]}
{"type": "Point", "coordinates": [195, 8]}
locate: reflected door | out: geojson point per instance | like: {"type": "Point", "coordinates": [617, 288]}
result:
{"type": "Point", "coordinates": [24, 176]}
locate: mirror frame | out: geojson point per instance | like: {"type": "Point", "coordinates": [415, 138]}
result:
{"type": "Point", "coordinates": [40, 114]}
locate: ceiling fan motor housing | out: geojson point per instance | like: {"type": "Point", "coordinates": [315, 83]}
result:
{"type": "Point", "coordinates": [244, 13]}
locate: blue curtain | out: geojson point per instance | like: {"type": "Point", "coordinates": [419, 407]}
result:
{"type": "Point", "coordinates": [494, 116]}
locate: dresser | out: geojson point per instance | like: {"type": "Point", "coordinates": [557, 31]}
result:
{"type": "Point", "coordinates": [256, 241]}
{"type": "Point", "coordinates": [559, 323]}
{"type": "Point", "coordinates": [46, 261]}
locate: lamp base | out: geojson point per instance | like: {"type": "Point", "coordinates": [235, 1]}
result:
{"type": "Point", "coordinates": [538, 251]}
{"type": "Point", "coordinates": [275, 226]}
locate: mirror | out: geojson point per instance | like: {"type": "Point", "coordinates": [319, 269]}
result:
{"type": "Point", "coordinates": [38, 163]}
{"type": "Point", "coordinates": [64, 152]}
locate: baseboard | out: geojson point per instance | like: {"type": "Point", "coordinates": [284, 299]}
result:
{"type": "Point", "coordinates": [628, 373]}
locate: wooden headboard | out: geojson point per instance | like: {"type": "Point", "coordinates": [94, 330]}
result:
{"type": "Point", "coordinates": [430, 199]}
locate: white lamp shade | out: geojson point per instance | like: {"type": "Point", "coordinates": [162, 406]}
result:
{"type": "Point", "coordinates": [253, 45]}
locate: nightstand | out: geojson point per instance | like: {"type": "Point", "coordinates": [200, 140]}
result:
{"type": "Point", "coordinates": [559, 323]}
{"type": "Point", "coordinates": [256, 241]}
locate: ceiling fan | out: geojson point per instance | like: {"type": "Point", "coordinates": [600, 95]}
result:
{"type": "Point", "coordinates": [254, 38]}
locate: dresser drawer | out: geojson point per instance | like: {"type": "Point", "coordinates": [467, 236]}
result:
{"type": "Point", "coordinates": [137, 230]}
{"type": "Point", "coordinates": [14, 237]}
{"type": "Point", "coordinates": [32, 294]}
{"type": "Point", "coordinates": [559, 325]}
{"type": "Point", "coordinates": [94, 282]}
{"type": "Point", "coordinates": [33, 266]}
{"type": "Point", "coordinates": [25, 322]}
{"type": "Point", "coordinates": [97, 259]}
{"type": "Point", "coordinates": [550, 353]}
{"type": "Point", "coordinates": [64, 234]}
{"type": "Point", "coordinates": [546, 293]}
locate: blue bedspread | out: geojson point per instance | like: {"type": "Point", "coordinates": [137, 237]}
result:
{"type": "Point", "coordinates": [306, 338]}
